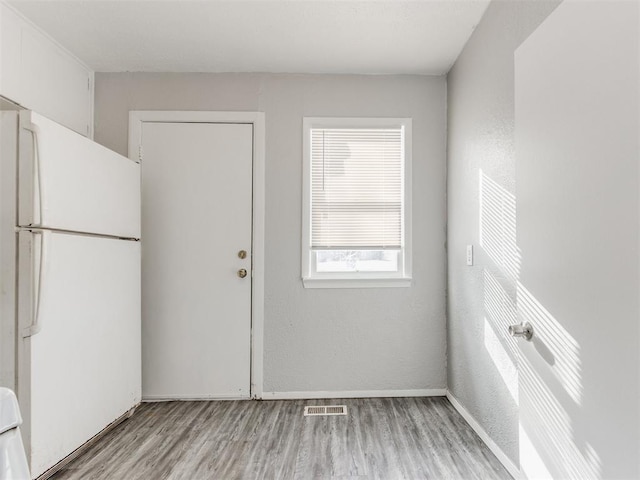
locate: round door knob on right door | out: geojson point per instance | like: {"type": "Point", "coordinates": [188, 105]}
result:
{"type": "Point", "coordinates": [242, 273]}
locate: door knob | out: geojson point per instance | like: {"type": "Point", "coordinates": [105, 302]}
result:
{"type": "Point", "coordinates": [242, 273]}
{"type": "Point", "coordinates": [242, 254]}
{"type": "Point", "coordinates": [524, 330]}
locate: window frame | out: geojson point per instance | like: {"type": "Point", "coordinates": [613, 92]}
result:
{"type": "Point", "coordinates": [311, 278]}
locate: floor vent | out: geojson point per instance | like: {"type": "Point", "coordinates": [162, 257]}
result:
{"type": "Point", "coordinates": [324, 410]}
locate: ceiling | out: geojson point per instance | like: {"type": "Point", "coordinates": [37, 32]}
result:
{"type": "Point", "coordinates": [293, 36]}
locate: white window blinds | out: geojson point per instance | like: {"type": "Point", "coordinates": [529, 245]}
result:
{"type": "Point", "coordinates": [356, 188]}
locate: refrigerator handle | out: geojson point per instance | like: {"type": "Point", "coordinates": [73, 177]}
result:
{"type": "Point", "coordinates": [37, 173]}
{"type": "Point", "coordinates": [41, 276]}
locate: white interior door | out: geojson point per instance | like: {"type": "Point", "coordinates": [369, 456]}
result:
{"type": "Point", "coordinates": [196, 204]}
{"type": "Point", "coordinates": [577, 228]}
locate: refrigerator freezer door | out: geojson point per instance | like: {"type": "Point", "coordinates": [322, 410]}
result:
{"type": "Point", "coordinates": [68, 182]}
{"type": "Point", "coordinates": [81, 370]}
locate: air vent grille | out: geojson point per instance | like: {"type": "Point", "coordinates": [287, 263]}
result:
{"type": "Point", "coordinates": [324, 410]}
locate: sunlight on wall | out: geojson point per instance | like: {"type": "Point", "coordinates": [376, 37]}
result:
{"type": "Point", "coordinates": [547, 445]}
{"type": "Point", "coordinates": [501, 310]}
{"type": "Point", "coordinates": [530, 460]}
{"type": "Point", "coordinates": [498, 225]}
{"type": "Point", "coordinates": [563, 347]}
{"type": "Point", "coordinates": [501, 359]}
{"type": "Point", "coordinates": [545, 427]}
{"type": "Point", "coordinates": [497, 239]}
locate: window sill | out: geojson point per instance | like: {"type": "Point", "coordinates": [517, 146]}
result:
{"type": "Point", "coordinates": [328, 282]}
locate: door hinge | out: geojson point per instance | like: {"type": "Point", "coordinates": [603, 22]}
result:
{"type": "Point", "coordinates": [139, 153]}
{"type": "Point", "coordinates": [88, 83]}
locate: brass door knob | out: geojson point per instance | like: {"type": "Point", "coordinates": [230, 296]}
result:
{"type": "Point", "coordinates": [242, 254]}
{"type": "Point", "coordinates": [242, 273]}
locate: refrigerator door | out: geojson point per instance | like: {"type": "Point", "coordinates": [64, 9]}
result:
{"type": "Point", "coordinates": [81, 371]}
{"type": "Point", "coordinates": [68, 182]}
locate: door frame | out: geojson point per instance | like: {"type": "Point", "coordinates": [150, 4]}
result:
{"type": "Point", "coordinates": [257, 119]}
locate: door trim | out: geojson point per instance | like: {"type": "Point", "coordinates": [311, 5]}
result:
{"type": "Point", "coordinates": [257, 119]}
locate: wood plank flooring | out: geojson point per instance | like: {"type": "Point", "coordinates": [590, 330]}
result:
{"type": "Point", "coordinates": [381, 438]}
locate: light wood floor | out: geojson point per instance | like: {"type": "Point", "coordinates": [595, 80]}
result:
{"type": "Point", "coordinates": [400, 438]}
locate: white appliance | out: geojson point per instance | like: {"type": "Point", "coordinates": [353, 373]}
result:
{"type": "Point", "coordinates": [70, 295]}
{"type": "Point", "coordinates": [13, 462]}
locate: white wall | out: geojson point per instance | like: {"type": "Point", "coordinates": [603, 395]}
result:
{"type": "Point", "coordinates": [323, 339]}
{"type": "Point", "coordinates": [482, 372]}
{"type": "Point", "coordinates": [39, 74]}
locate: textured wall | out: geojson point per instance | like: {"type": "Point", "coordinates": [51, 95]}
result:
{"type": "Point", "coordinates": [323, 339]}
{"type": "Point", "coordinates": [482, 371]}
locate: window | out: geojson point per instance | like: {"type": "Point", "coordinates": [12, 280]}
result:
{"type": "Point", "coordinates": [357, 202]}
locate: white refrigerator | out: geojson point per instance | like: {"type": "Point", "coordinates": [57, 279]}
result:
{"type": "Point", "coordinates": [70, 296]}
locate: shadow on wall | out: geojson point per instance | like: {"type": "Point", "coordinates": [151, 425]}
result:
{"type": "Point", "coordinates": [547, 441]}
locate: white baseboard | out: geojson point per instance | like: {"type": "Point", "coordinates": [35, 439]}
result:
{"type": "Point", "coordinates": [493, 446]}
{"type": "Point", "coordinates": [187, 398]}
{"type": "Point", "coordinates": [434, 392]}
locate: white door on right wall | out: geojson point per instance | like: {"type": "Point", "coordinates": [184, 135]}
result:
{"type": "Point", "coordinates": [577, 153]}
